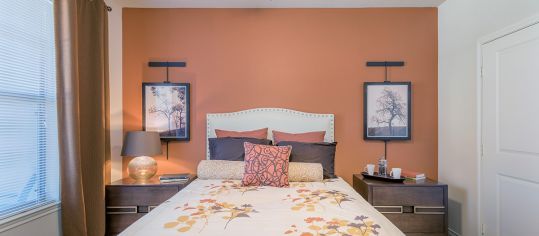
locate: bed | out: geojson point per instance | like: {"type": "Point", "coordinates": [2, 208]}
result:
{"type": "Point", "coordinates": [225, 207]}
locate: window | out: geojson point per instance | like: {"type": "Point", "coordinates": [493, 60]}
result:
{"type": "Point", "coordinates": [28, 123]}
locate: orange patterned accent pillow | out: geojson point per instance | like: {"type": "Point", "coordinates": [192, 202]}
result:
{"type": "Point", "coordinates": [259, 133]}
{"type": "Point", "coordinates": [266, 165]}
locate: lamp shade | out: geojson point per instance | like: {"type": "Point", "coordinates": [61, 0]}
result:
{"type": "Point", "coordinates": [141, 143]}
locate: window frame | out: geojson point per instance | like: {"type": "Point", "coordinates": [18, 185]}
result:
{"type": "Point", "coordinates": [22, 212]}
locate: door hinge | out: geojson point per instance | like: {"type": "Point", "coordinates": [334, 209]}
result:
{"type": "Point", "coordinates": [482, 152]}
{"type": "Point", "coordinates": [483, 229]}
{"type": "Point", "coordinates": [481, 72]}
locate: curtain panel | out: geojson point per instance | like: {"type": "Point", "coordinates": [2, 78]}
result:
{"type": "Point", "coordinates": [83, 113]}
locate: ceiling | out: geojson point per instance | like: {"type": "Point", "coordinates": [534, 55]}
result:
{"type": "Point", "coordinates": [276, 3]}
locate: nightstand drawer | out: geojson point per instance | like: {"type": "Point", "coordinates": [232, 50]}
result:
{"type": "Point", "coordinates": [407, 196]}
{"type": "Point", "coordinates": [139, 195]}
{"type": "Point", "coordinates": [418, 223]}
{"type": "Point", "coordinates": [117, 223]}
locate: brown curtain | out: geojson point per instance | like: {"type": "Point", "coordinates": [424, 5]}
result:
{"type": "Point", "coordinates": [82, 69]}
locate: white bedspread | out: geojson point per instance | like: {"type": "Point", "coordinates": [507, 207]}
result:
{"type": "Point", "coordinates": [223, 207]}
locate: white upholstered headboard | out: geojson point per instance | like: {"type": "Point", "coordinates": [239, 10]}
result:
{"type": "Point", "coordinates": [280, 119]}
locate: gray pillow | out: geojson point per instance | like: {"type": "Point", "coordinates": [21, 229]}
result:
{"type": "Point", "coordinates": [231, 148]}
{"type": "Point", "coordinates": [323, 153]}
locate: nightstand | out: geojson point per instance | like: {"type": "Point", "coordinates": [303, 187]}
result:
{"type": "Point", "coordinates": [127, 200]}
{"type": "Point", "coordinates": [415, 207]}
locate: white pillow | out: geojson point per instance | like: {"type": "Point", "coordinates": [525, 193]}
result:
{"type": "Point", "coordinates": [305, 172]}
{"type": "Point", "coordinates": [219, 169]}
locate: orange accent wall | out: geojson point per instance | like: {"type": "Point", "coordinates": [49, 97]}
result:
{"type": "Point", "coordinates": [310, 60]}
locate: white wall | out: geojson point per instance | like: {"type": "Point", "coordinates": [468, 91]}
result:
{"type": "Point", "coordinates": [115, 86]}
{"type": "Point", "coordinates": [460, 24]}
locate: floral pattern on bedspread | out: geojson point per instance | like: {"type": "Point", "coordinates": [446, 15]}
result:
{"type": "Point", "coordinates": [223, 207]}
{"type": "Point", "coordinates": [206, 209]}
{"type": "Point", "coordinates": [307, 199]}
{"type": "Point", "coordinates": [228, 185]}
{"type": "Point", "coordinates": [299, 184]}
{"type": "Point", "coordinates": [359, 226]}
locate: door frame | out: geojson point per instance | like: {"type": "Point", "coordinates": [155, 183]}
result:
{"type": "Point", "coordinates": [523, 24]}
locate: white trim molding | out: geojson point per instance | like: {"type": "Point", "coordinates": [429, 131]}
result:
{"type": "Point", "coordinates": [530, 21]}
{"type": "Point", "coordinates": [115, 88]}
{"type": "Point", "coordinates": [280, 119]}
{"type": "Point", "coordinates": [27, 216]}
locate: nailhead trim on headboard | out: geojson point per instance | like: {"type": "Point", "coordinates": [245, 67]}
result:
{"type": "Point", "coordinates": [209, 117]}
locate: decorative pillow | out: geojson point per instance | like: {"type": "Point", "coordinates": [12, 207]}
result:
{"type": "Point", "coordinates": [305, 172]}
{"type": "Point", "coordinates": [309, 137]}
{"type": "Point", "coordinates": [231, 149]}
{"type": "Point", "coordinates": [218, 169]}
{"type": "Point", "coordinates": [259, 133]}
{"type": "Point", "coordinates": [323, 153]}
{"type": "Point", "coordinates": [266, 165]}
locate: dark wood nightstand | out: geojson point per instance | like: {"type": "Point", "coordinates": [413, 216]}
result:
{"type": "Point", "coordinates": [415, 207]}
{"type": "Point", "coordinates": [127, 200]}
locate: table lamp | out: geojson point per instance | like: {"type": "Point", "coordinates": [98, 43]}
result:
{"type": "Point", "coordinates": [141, 145]}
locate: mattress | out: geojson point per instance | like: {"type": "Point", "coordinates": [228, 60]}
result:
{"type": "Point", "coordinates": [224, 207]}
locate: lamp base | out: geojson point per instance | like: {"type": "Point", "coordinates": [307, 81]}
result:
{"type": "Point", "coordinates": [142, 168]}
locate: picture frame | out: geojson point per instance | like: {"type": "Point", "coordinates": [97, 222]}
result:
{"type": "Point", "coordinates": [166, 109]}
{"type": "Point", "coordinates": [387, 111]}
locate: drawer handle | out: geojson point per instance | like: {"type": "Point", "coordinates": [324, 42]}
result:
{"type": "Point", "coordinates": [400, 209]}
{"type": "Point", "coordinates": [417, 208]}
{"type": "Point", "coordinates": [122, 210]}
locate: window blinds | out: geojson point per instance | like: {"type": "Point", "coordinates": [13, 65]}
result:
{"type": "Point", "coordinates": [28, 122]}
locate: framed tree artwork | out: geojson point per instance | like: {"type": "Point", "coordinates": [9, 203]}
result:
{"type": "Point", "coordinates": [387, 110]}
{"type": "Point", "coordinates": [165, 109]}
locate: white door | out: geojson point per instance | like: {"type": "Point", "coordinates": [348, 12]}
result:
{"type": "Point", "coordinates": [510, 134]}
